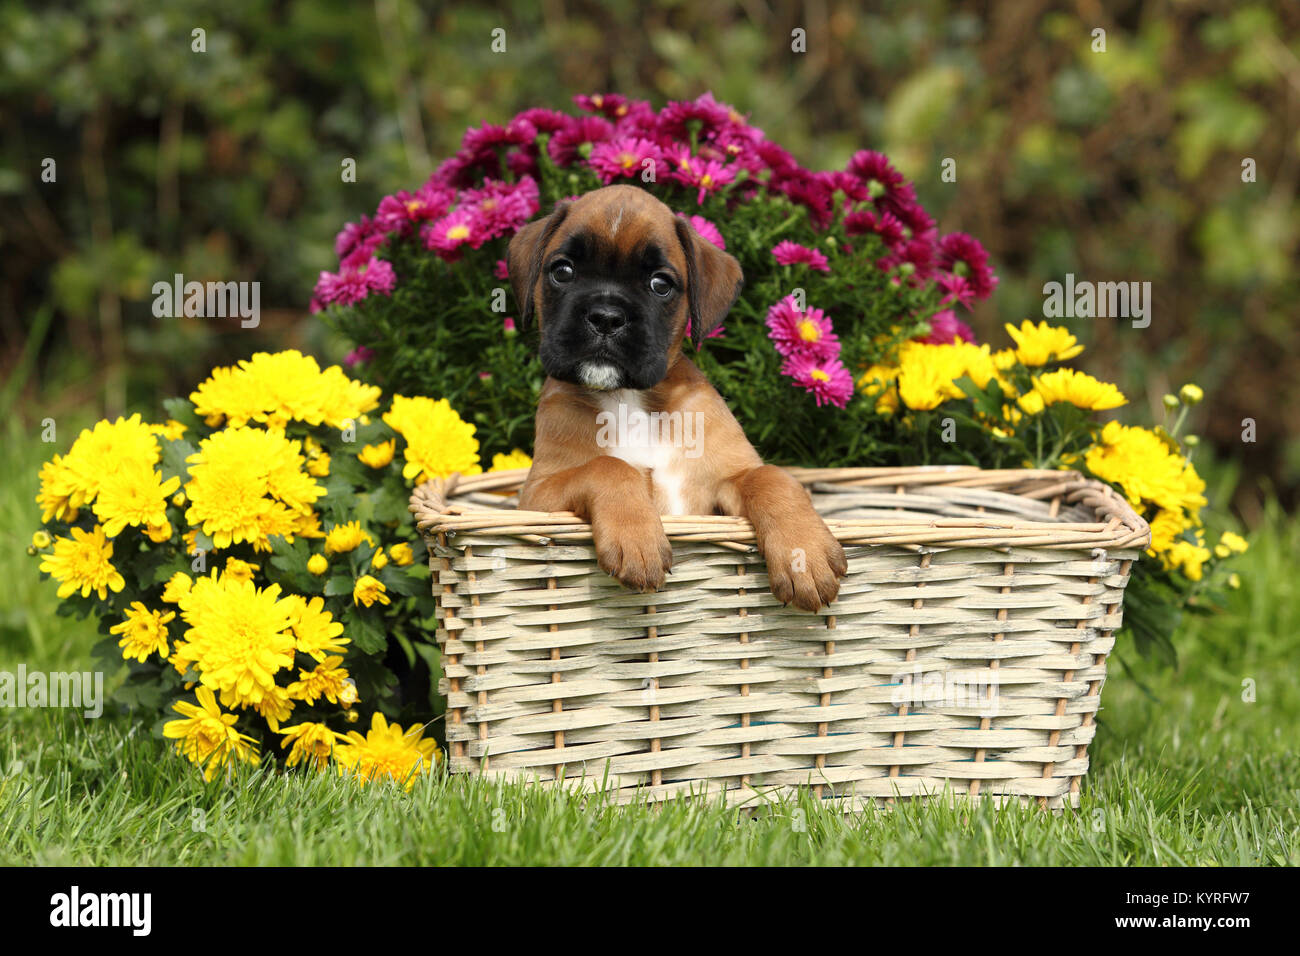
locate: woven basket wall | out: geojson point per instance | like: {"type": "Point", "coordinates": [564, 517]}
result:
{"type": "Point", "coordinates": [964, 656]}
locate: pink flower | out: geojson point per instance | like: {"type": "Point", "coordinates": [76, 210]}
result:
{"type": "Point", "coordinates": [358, 356]}
{"type": "Point", "coordinates": [955, 289]}
{"type": "Point", "coordinates": [500, 207]}
{"type": "Point", "coordinates": [397, 213]}
{"type": "Point", "coordinates": [623, 157]}
{"type": "Point", "coordinates": [453, 231]}
{"type": "Point", "coordinates": [961, 254]}
{"type": "Point", "coordinates": [706, 229]}
{"type": "Point", "coordinates": [883, 182]}
{"type": "Point", "coordinates": [508, 326]}
{"type": "Point", "coordinates": [885, 224]}
{"type": "Point", "coordinates": [710, 116]}
{"type": "Point", "coordinates": [789, 253]}
{"type": "Point", "coordinates": [947, 329]}
{"type": "Point", "coordinates": [501, 271]}
{"type": "Point", "coordinates": [914, 259]}
{"type": "Point", "coordinates": [565, 146]}
{"type": "Point", "coordinates": [715, 334]}
{"type": "Point", "coordinates": [351, 286]}
{"type": "Point", "coordinates": [544, 120]}
{"type": "Point", "coordinates": [801, 333]}
{"type": "Point", "coordinates": [708, 175]}
{"type": "Point", "coordinates": [827, 380]}
{"type": "Point", "coordinates": [810, 190]}
{"type": "Point", "coordinates": [480, 143]}
{"type": "Point", "coordinates": [611, 105]}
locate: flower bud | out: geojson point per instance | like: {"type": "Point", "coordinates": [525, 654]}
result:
{"type": "Point", "coordinates": [1171, 401]}
{"type": "Point", "coordinates": [1191, 394]}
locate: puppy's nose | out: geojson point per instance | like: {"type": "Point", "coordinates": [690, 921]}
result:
{"type": "Point", "coordinates": [606, 319]}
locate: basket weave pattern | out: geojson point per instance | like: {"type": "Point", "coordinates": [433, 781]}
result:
{"type": "Point", "coordinates": [964, 656]}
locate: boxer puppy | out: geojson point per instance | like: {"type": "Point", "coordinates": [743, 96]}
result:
{"type": "Point", "coordinates": [628, 428]}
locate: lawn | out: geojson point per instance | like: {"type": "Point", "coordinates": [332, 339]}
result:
{"type": "Point", "coordinates": [1185, 770]}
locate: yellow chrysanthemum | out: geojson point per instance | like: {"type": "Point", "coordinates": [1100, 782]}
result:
{"type": "Point", "coordinates": [178, 585]}
{"type": "Point", "coordinates": [1189, 558]}
{"type": "Point", "coordinates": [73, 480]}
{"type": "Point", "coordinates": [237, 570]}
{"type": "Point", "coordinates": [239, 637]}
{"type": "Point", "coordinates": [315, 631]}
{"type": "Point", "coordinates": [402, 554]}
{"type": "Point", "coordinates": [1078, 389]}
{"type": "Point", "coordinates": [310, 743]}
{"type": "Point", "coordinates": [378, 456]}
{"type": "Point", "coordinates": [327, 679]}
{"type": "Point", "coordinates": [368, 590]}
{"type": "Point", "coordinates": [1042, 343]}
{"type": "Point", "coordinates": [83, 563]}
{"type": "Point", "coordinates": [318, 564]}
{"type": "Point", "coordinates": [319, 466]}
{"type": "Point", "coordinates": [1230, 543]}
{"type": "Point", "coordinates": [516, 459]}
{"type": "Point", "coordinates": [134, 494]}
{"type": "Point", "coordinates": [438, 441]}
{"type": "Point", "coordinates": [144, 632]}
{"type": "Point", "coordinates": [926, 374]}
{"type": "Point", "coordinates": [276, 388]}
{"type": "Point", "coordinates": [172, 430]}
{"type": "Point", "coordinates": [343, 538]}
{"type": "Point", "coordinates": [247, 484]}
{"type": "Point", "coordinates": [1141, 463]}
{"type": "Point", "coordinates": [387, 751]}
{"type": "Point", "coordinates": [1166, 527]}
{"type": "Point", "coordinates": [275, 706]}
{"type": "Point", "coordinates": [207, 736]}
{"type": "Point", "coordinates": [41, 540]}
{"type": "Point", "coordinates": [379, 561]}
{"type": "Point", "coordinates": [61, 493]}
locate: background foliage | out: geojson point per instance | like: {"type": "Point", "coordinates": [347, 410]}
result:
{"type": "Point", "coordinates": [225, 165]}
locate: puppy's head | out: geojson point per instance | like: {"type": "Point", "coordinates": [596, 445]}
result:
{"type": "Point", "coordinates": [613, 278]}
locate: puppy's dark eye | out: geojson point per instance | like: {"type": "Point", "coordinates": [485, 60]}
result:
{"type": "Point", "coordinates": [661, 285]}
{"type": "Point", "coordinates": [562, 271]}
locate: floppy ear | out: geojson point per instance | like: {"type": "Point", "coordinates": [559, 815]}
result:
{"type": "Point", "coordinates": [713, 281]}
{"type": "Point", "coordinates": [524, 257]}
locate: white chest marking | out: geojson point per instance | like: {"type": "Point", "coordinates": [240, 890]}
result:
{"type": "Point", "coordinates": [625, 430]}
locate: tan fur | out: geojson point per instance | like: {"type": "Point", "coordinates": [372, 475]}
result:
{"type": "Point", "coordinates": [623, 502]}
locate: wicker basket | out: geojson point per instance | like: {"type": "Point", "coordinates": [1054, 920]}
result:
{"type": "Point", "coordinates": [964, 656]}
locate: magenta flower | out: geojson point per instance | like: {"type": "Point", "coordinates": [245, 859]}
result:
{"type": "Point", "coordinates": [449, 234]}
{"type": "Point", "coordinates": [715, 334]}
{"type": "Point", "coordinates": [706, 229]}
{"type": "Point", "coordinates": [481, 143]}
{"type": "Point", "coordinates": [947, 329]}
{"type": "Point", "coordinates": [358, 356]}
{"type": "Point", "coordinates": [710, 116]}
{"type": "Point", "coordinates": [810, 190]}
{"type": "Point", "coordinates": [884, 224]}
{"type": "Point", "coordinates": [401, 211]}
{"type": "Point", "coordinates": [544, 120]}
{"type": "Point", "coordinates": [623, 158]}
{"type": "Point", "coordinates": [955, 288]}
{"type": "Point", "coordinates": [963, 255]}
{"type": "Point", "coordinates": [914, 259]}
{"type": "Point", "coordinates": [508, 326]}
{"type": "Point", "coordinates": [882, 180]}
{"type": "Point", "coordinates": [801, 333]}
{"type": "Point", "coordinates": [789, 253]}
{"type": "Point", "coordinates": [501, 271]}
{"type": "Point", "coordinates": [353, 285]}
{"type": "Point", "coordinates": [827, 380]}
{"type": "Point", "coordinates": [500, 207]}
{"type": "Point", "coordinates": [566, 143]}
{"type": "Point", "coordinates": [707, 175]}
{"type": "Point", "coordinates": [612, 105]}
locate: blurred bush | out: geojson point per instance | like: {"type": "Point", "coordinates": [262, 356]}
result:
{"type": "Point", "coordinates": [225, 164]}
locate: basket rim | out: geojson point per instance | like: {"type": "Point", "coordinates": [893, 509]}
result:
{"type": "Point", "coordinates": [1118, 526]}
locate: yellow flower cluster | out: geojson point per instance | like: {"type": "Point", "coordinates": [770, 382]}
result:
{"type": "Point", "coordinates": [276, 388]}
{"type": "Point", "coordinates": [1160, 483]}
{"type": "Point", "coordinates": [438, 441]}
{"type": "Point", "coordinates": [249, 648]}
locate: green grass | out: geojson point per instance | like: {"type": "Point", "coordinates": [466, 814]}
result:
{"type": "Point", "coordinates": [1190, 774]}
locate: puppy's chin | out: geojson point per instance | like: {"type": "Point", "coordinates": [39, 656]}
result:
{"type": "Point", "coordinates": [600, 376]}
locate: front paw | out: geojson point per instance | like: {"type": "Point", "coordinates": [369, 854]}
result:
{"type": "Point", "coordinates": [806, 573]}
{"type": "Point", "coordinates": [636, 552]}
